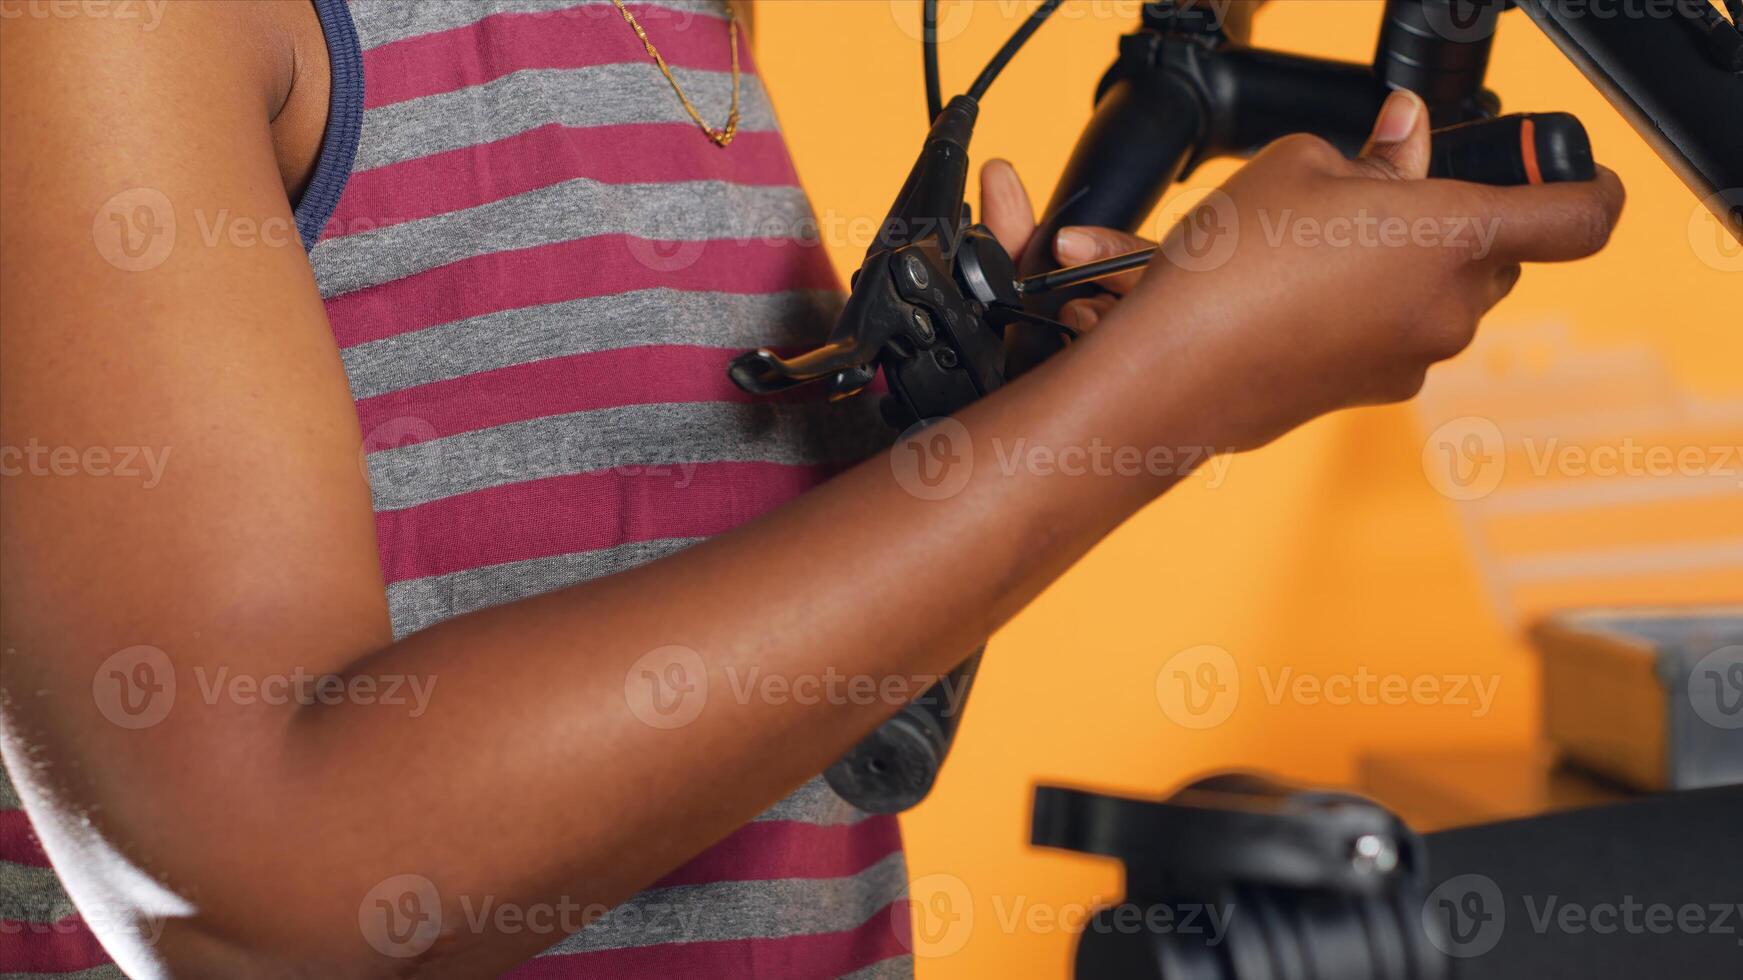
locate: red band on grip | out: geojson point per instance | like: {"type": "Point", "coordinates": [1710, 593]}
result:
{"type": "Point", "coordinates": [1528, 150]}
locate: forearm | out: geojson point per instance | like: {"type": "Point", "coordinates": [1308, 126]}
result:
{"type": "Point", "coordinates": [529, 727]}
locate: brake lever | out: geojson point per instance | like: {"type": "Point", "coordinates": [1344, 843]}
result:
{"type": "Point", "coordinates": [928, 306]}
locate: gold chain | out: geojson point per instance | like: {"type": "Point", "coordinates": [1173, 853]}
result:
{"type": "Point", "coordinates": [721, 137]}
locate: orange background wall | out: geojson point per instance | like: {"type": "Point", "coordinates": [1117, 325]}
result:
{"type": "Point", "coordinates": [1327, 552]}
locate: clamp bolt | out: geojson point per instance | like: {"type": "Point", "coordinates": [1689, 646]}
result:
{"type": "Point", "coordinates": [915, 267]}
{"type": "Point", "coordinates": [923, 326]}
{"type": "Point", "coordinates": [1373, 854]}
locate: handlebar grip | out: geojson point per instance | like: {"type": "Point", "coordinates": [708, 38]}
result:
{"type": "Point", "coordinates": [1525, 148]}
{"type": "Point", "coordinates": [894, 767]}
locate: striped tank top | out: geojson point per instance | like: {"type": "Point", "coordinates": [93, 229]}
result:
{"type": "Point", "coordinates": [536, 268]}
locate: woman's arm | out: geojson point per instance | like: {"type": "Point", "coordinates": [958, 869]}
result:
{"type": "Point", "coordinates": [532, 772]}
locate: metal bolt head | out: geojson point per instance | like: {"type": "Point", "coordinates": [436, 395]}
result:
{"type": "Point", "coordinates": [1373, 854]}
{"type": "Point", "coordinates": [915, 267]}
{"type": "Point", "coordinates": [923, 326]}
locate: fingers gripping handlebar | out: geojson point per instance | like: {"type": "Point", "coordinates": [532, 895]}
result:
{"type": "Point", "coordinates": [1182, 92]}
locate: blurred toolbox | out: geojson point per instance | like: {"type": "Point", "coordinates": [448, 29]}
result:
{"type": "Point", "coordinates": [1651, 698]}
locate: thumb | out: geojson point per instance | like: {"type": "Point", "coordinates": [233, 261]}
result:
{"type": "Point", "coordinates": [1399, 146]}
{"type": "Point", "coordinates": [1005, 207]}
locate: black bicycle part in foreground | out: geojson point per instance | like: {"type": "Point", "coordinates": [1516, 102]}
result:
{"type": "Point", "coordinates": [1240, 878]}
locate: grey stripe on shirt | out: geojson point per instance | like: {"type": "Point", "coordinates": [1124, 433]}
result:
{"type": "Point", "coordinates": [31, 894]}
{"type": "Point", "coordinates": [419, 603]}
{"type": "Point", "coordinates": [107, 971]}
{"type": "Point", "coordinates": [644, 317]}
{"type": "Point", "coordinates": [385, 21]}
{"type": "Point", "coordinates": [815, 803]}
{"type": "Point", "coordinates": [598, 95]}
{"type": "Point", "coordinates": [8, 795]}
{"type": "Point", "coordinates": [691, 211]}
{"type": "Point", "coordinates": [732, 910]}
{"type": "Point", "coordinates": [671, 437]}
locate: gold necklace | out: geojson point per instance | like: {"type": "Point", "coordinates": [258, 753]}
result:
{"type": "Point", "coordinates": [721, 137]}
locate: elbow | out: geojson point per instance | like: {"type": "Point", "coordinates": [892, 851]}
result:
{"type": "Point", "coordinates": [272, 948]}
{"type": "Point", "coordinates": [266, 945]}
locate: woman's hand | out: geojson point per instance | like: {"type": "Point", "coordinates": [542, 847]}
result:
{"type": "Point", "coordinates": [1006, 209]}
{"type": "Point", "coordinates": [1310, 282]}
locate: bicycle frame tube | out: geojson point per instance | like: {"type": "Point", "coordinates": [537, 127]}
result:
{"type": "Point", "coordinates": [1654, 70]}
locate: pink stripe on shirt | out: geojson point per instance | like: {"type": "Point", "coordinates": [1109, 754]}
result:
{"type": "Point", "coordinates": [502, 44]}
{"type": "Point", "coordinates": [581, 512]}
{"type": "Point", "coordinates": [631, 153]}
{"type": "Point", "coordinates": [771, 849]}
{"type": "Point", "coordinates": [49, 947]}
{"type": "Point", "coordinates": [18, 840]}
{"type": "Point", "coordinates": [600, 265]}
